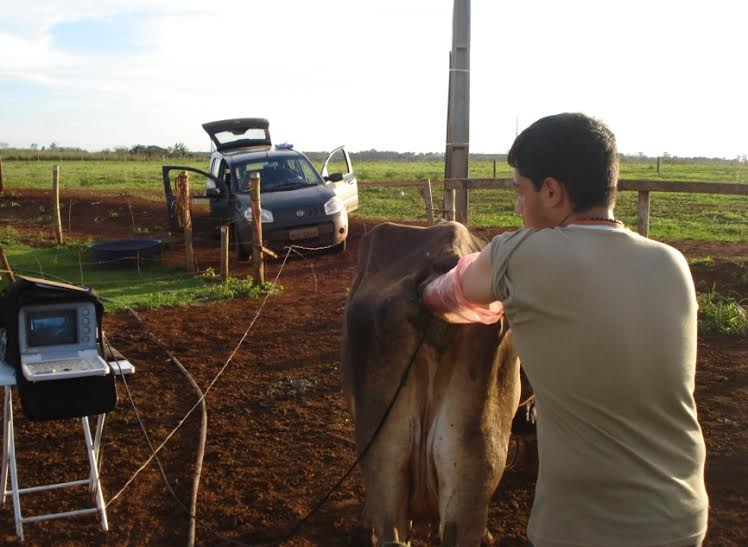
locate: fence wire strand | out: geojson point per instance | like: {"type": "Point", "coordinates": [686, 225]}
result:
{"type": "Point", "coordinates": [210, 385]}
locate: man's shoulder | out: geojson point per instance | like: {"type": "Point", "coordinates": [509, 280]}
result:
{"type": "Point", "coordinates": [667, 252]}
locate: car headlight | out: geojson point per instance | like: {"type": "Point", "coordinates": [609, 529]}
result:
{"type": "Point", "coordinates": [334, 205]}
{"type": "Point", "coordinates": [265, 215]}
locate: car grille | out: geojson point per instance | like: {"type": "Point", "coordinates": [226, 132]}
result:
{"type": "Point", "coordinates": [310, 212]}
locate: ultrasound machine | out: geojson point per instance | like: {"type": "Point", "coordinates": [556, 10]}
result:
{"type": "Point", "coordinates": [58, 341]}
{"type": "Point", "coordinates": [52, 351]}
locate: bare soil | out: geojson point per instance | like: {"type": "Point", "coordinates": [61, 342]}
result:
{"type": "Point", "coordinates": [279, 434]}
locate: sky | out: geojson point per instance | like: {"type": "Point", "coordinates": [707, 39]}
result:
{"type": "Point", "coordinates": [666, 76]}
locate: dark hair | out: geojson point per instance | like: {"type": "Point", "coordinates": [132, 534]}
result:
{"type": "Point", "coordinates": [575, 149]}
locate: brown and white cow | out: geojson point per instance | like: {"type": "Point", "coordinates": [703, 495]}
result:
{"type": "Point", "coordinates": [442, 450]}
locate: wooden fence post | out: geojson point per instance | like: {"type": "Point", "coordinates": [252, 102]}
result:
{"type": "Point", "coordinates": [6, 265]}
{"type": "Point", "coordinates": [224, 252]}
{"type": "Point", "coordinates": [643, 214]}
{"type": "Point", "coordinates": [449, 205]}
{"type": "Point", "coordinates": [494, 168]}
{"type": "Point", "coordinates": [2, 187]}
{"type": "Point", "coordinates": [56, 204]}
{"type": "Point", "coordinates": [185, 218]}
{"type": "Point", "coordinates": [658, 165]}
{"type": "Point", "coordinates": [258, 262]}
{"type": "Point", "coordinates": [426, 193]}
{"type": "Point", "coordinates": [461, 204]}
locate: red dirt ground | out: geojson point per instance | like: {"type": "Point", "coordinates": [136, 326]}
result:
{"type": "Point", "coordinates": [279, 433]}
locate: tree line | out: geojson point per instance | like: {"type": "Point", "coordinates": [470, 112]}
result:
{"type": "Point", "coordinates": [55, 151]}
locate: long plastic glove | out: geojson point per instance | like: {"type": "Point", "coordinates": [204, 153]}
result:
{"type": "Point", "coordinates": [445, 298]}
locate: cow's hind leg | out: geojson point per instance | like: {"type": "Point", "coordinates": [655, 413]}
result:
{"type": "Point", "coordinates": [386, 506]}
{"type": "Point", "coordinates": [469, 467]}
{"type": "Point", "coordinates": [385, 470]}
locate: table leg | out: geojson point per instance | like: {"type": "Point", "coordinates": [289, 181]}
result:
{"type": "Point", "coordinates": [6, 445]}
{"type": "Point", "coordinates": [95, 474]}
{"type": "Point", "coordinates": [97, 446]}
{"type": "Point", "coordinates": [13, 471]}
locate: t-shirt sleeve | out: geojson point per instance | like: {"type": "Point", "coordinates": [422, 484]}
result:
{"type": "Point", "coordinates": [502, 248]}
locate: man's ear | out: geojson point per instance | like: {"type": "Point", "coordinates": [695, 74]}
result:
{"type": "Point", "coordinates": [553, 191]}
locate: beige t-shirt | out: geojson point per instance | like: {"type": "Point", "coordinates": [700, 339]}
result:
{"type": "Point", "coordinates": [605, 325]}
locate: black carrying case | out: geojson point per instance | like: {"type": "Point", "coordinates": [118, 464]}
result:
{"type": "Point", "coordinates": [53, 399]}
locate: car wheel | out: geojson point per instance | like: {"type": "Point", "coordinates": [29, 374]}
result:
{"type": "Point", "coordinates": [243, 248]}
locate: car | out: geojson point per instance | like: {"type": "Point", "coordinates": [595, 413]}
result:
{"type": "Point", "coordinates": [299, 205]}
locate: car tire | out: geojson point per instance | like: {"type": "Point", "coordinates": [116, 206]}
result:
{"type": "Point", "coordinates": [243, 249]}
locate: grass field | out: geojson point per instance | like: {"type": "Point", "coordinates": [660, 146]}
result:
{"type": "Point", "coordinates": [144, 174]}
{"type": "Point", "coordinates": [673, 216]}
{"type": "Point", "coordinates": [150, 286]}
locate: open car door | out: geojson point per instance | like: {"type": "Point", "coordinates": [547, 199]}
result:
{"type": "Point", "coordinates": [213, 203]}
{"type": "Point", "coordinates": [337, 171]}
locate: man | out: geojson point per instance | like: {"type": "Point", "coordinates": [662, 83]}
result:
{"type": "Point", "coordinates": [604, 321]}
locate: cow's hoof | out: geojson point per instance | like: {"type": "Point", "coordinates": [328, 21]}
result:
{"type": "Point", "coordinates": [361, 537]}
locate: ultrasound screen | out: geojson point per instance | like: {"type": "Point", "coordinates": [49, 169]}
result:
{"type": "Point", "coordinates": [52, 328]}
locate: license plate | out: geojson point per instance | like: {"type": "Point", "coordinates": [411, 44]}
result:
{"type": "Point", "coordinates": [303, 233]}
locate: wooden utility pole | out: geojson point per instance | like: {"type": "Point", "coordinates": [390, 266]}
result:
{"type": "Point", "coordinates": [224, 252]}
{"type": "Point", "coordinates": [56, 204]}
{"type": "Point", "coordinates": [258, 262]}
{"type": "Point", "coordinates": [458, 111]}
{"type": "Point", "coordinates": [185, 218]}
{"type": "Point", "coordinates": [427, 199]}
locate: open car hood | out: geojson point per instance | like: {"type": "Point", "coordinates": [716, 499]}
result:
{"type": "Point", "coordinates": [238, 133]}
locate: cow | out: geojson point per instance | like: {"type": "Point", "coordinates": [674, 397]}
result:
{"type": "Point", "coordinates": [441, 451]}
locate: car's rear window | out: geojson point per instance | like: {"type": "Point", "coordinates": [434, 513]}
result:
{"type": "Point", "coordinates": [250, 134]}
{"type": "Point", "coordinates": [276, 172]}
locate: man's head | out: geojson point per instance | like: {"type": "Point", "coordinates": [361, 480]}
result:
{"type": "Point", "coordinates": [572, 155]}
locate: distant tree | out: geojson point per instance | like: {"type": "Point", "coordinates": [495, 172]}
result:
{"type": "Point", "coordinates": [34, 146]}
{"type": "Point", "coordinates": [149, 151]}
{"type": "Point", "coordinates": [179, 149]}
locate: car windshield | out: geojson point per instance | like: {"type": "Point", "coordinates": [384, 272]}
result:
{"type": "Point", "coordinates": [285, 173]}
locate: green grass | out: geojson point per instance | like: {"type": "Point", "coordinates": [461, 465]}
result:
{"type": "Point", "coordinates": [673, 215]}
{"type": "Point", "coordinates": [702, 261]}
{"type": "Point", "coordinates": [719, 314]}
{"type": "Point", "coordinates": [148, 287]}
{"type": "Point", "coordinates": [146, 173]}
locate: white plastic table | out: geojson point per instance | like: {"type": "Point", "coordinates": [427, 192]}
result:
{"type": "Point", "coordinates": [8, 380]}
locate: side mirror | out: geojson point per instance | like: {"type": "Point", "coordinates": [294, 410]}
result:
{"type": "Point", "coordinates": [212, 192]}
{"type": "Point", "coordinates": [334, 177]}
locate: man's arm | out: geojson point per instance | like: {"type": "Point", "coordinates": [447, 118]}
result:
{"type": "Point", "coordinates": [476, 280]}
{"type": "Point", "coordinates": [463, 294]}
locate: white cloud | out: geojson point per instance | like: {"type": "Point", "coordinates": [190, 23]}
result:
{"type": "Point", "coordinates": [375, 74]}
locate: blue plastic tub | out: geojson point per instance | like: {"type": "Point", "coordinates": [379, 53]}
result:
{"type": "Point", "coordinates": [126, 252]}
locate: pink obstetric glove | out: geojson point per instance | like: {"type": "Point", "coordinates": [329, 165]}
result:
{"type": "Point", "coordinates": [445, 298]}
